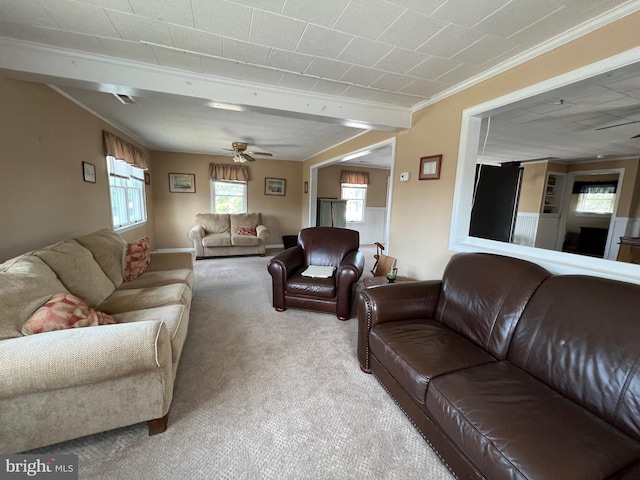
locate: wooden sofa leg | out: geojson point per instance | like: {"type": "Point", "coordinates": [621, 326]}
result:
{"type": "Point", "coordinates": [365, 370]}
{"type": "Point", "coordinates": [158, 425]}
{"type": "Point", "coordinates": [199, 258]}
{"type": "Point", "coordinates": [278, 309]}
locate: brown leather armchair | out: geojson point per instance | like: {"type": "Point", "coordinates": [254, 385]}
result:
{"type": "Point", "coordinates": [326, 246]}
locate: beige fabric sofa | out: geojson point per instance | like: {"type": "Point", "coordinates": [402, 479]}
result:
{"type": "Point", "coordinates": [65, 384]}
{"type": "Point", "coordinates": [216, 234]}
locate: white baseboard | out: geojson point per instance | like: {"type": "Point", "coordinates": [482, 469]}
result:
{"type": "Point", "coordinates": [277, 245]}
{"type": "Point", "coordinates": [167, 250]}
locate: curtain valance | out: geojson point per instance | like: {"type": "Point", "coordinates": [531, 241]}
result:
{"type": "Point", "coordinates": [223, 171]}
{"type": "Point", "coordinates": [595, 187]}
{"type": "Point", "coordinates": [120, 149]}
{"type": "Point", "coordinates": [361, 178]}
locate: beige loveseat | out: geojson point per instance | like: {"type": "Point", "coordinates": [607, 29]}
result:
{"type": "Point", "coordinates": [64, 384]}
{"type": "Point", "coordinates": [220, 234]}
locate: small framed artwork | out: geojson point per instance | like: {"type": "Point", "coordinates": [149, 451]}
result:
{"type": "Point", "coordinates": [306, 187]}
{"type": "Point", "coordinates": [147, 178]}
{"type": "Point", "coordinates": [182, 182]}
{"type": "Point", "coordinates": [430, 167]}
{"type": "Point", "coordinates": [88, 172]}
{"type": "Point", "coordinates": [275, 186]}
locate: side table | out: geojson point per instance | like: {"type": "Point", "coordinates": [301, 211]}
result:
{"type": "Point", "coordinates": [382, 280]}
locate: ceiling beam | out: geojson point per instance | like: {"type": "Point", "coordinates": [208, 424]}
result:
{"type": "Point", "coordinates": [35, 62]}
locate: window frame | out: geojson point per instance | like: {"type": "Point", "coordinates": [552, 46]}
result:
{"type": "Point", "coordinates": [126, 179]}
{"type": "Point", "coordinates": [245, 201]}
{"type": "Point", "coordinates": [355, 186]}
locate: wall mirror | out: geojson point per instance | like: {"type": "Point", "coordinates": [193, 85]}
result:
{"type": "Point", "coordinates": [552, 172]}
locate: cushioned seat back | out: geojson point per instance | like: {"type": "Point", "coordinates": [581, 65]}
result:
{"type": "Point", "coordinates": [214, 222]}
{"type": "Point", "coordinates": [483, 296]}
{"type": "Point", "coordinates": [581, 336]}
{"type": "Point", "coordinates": [327, 245]}
{"type": "Point", "coordinates": [26, 283]}
{"type": "Point", "coordinates": [248, 220]}
{"type": "Point", "coordinates": [108, 249]}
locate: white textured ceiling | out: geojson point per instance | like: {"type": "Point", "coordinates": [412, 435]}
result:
{"type": "Point", "coordinates": [351, 57]}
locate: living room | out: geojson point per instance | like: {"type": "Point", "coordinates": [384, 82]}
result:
{"type": "Point", "coordinates": [46, 137]}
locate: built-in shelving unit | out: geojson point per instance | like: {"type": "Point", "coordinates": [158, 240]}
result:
{"type": "Point", "coordinates": [552, 198]}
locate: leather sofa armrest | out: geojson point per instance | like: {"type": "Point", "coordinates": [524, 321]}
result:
{"type": "Point", "coordinates": [353, 263]}
{"type": "Point", "coordinates": [82, 356]}
{"type": "Point", "coordinates": [393, 303]}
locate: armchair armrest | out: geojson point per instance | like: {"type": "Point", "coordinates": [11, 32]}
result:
{"type": "Point", "coordinates": [347, 275]}
{"type": "Point", "coordinates": [170, 261]}
{"type": "Point", "coordinates": [393, 303]}
{"type": "Point", "coordinates": [81, 356]}
{"type": "Point", "coordinates": [281, 267]}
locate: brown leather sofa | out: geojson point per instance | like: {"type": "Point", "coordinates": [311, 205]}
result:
{"type": "Point", "coordinates": [323, 246]}
{"type": "Point", "coordinates": [510, 372]}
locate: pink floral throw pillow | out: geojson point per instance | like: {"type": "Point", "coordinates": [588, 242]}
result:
{"type": "Point", "coordinates": [247, 231]}
{"type": "Point", "coordinates": [137, 258]}
{"type": "Point", "coordinates": [64, 311]}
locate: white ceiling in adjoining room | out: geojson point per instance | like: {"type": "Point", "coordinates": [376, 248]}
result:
{"type": "Point", "coordinates": [299, 75]}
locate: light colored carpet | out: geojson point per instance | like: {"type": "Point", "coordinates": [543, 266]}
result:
{"type": "Point", "coordinates": [264, 395]}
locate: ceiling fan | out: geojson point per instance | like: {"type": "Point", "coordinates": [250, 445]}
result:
{"type": "Point", "coordinates": [242, 155]}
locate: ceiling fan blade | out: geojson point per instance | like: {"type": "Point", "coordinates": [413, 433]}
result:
{"type": "Point", "coordinates": [618, 125]}
{"type": "Point", "coordinates": [262, 153]}
{"type": "Point", "coordinates": [248, 157]}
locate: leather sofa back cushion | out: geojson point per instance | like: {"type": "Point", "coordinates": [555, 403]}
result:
{"type": "Point", "coordinates": [64, 311]}
{"type": "Point", "coordinates": [26, 283]}
{"type": "Point", "coordinates": [581, 336]}
{"type": "Point", "coordinates": [483, 296]}
{"type": "Point", "coordinates": [214, 222]}
{"type": "Point", "coordinates": [78, 271]}
{"type": "Point", "coordinates": [327, 245]}
{"type": "Point", "coordinates": [108, 249]}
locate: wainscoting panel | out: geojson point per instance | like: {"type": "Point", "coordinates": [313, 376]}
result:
{"type": "Point", "coordinates": [525, 230]}
{"type": "Point", "coordinates": [372, 230]}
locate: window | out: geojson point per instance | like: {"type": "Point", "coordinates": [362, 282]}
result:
{"type": "Point", "coordinates": [126, 187]}
{"type": "Point", "coordinates": [356, 197]}
{"type": "Point", "coordinates": [595, 198]}
{"type": "Point", "coordinates": [228, 196]}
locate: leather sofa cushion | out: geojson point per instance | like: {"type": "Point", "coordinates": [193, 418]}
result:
{"type": "Point", "coordinates": [311, 287]}
{"type": "Point", "coordinates": [581, 336]}
{"type": "Point", "coordinates": [513, 426]}
{"type": "Point", "coordinates": [483, 296]}
{"type": "Point", "coordinates": [416, 351]}
{"type": "Point", "coordinates": [216, 240]}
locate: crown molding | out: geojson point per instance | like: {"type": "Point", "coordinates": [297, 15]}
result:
{"type": "Point", "coordinates": [557, 41]}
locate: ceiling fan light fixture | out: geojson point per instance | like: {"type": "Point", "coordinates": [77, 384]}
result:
{"type": "Point", "coordinates": [239, 158]}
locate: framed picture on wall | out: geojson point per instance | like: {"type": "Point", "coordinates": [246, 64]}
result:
{"type": "Point", "coordinates": [182, 182]}
{"type": "Point", "coordinates": [275, 186]}
{"type": "Point", "coordinates": [89, 172]}
{"type": "Point", "coordinates": [430, 167]}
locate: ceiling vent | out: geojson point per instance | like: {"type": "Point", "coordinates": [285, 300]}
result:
{"type": "Point", "coordinates": [126, 99]}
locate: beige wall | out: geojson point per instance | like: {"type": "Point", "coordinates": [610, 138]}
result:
{"type": "Point", "coordinates": [421, 210]}
{"type": "Point", "coordinates": [329, 183]}
{"type": "Point", "coordinates": [44, 138]}
{"type": "Point", "coordinates": [175, 212]}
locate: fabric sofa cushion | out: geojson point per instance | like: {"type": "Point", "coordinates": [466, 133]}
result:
{"type": "Point", "coordinates": [161, 277]}
{"type": "Point", "coordinates": [248, 240]}
{"type": "Point", "coordinates": [416, 351]}
{"type": "Point", "coordinates": [137, 258]}
{"type": "Point", "coordinates": [216, 240]}
{"type": "Point", "coordinates": [108, 249]}
{"type": "Point", "coordinates": [175, 317]}
{"type": "Point", "coordinates": [249, 220]}
{"type": "Point", "coordinates": [78, 271]}
{"type": "Point", "coordinates": [140, 298]}
{"type": "Point", "coordinates": [511, 425]}
{"type": "Point", "coordinates": [63, 311]}
{"type": "Point", "coordinates": [26, 283]}
{"type": "Point", "coordinates": [214, 222]}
